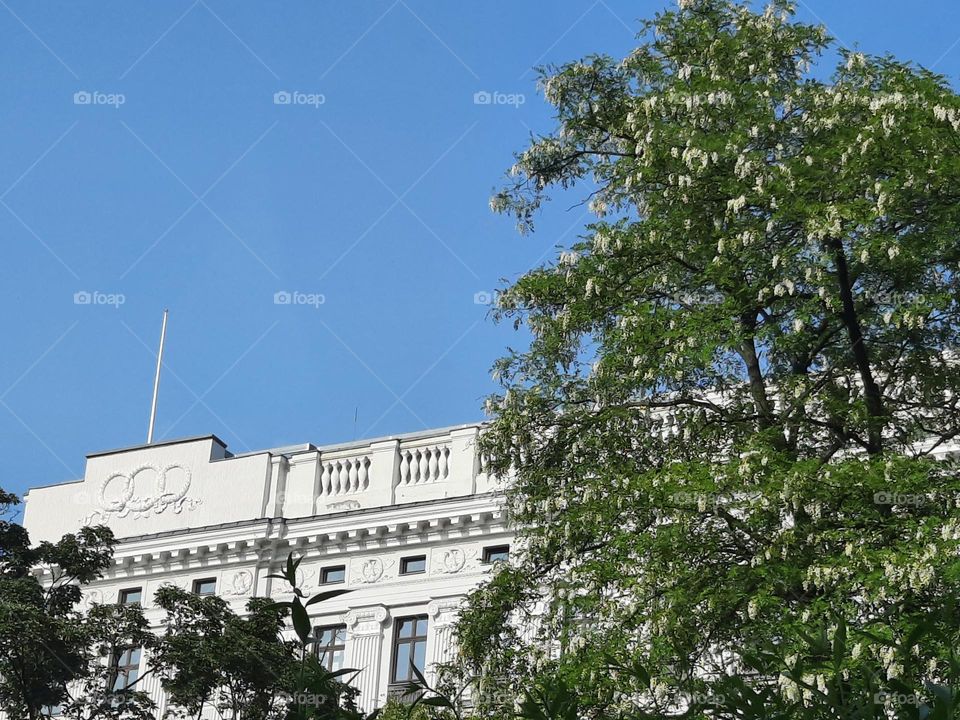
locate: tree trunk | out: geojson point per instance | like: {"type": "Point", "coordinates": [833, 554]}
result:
{"type": "Point", "coordinates": [871, 392]}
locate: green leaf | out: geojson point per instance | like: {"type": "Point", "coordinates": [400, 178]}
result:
{"type": "Point", "coordinates": [301, 620]}
{"type": "Point", "coordinates": [327, 595]}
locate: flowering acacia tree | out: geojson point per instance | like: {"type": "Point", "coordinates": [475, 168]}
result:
{"type": "Point", "coordinates": [723, 430]}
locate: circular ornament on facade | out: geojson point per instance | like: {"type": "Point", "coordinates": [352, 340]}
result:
{"type": "Point", "coordinates": [372, 570]}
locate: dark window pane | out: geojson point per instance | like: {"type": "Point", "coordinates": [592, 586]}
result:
{"type": "Point", "coordinates": [419, 654]}
{"type": "Point", "coordinates": [497, 553]}
{"type": "Point", "coordinates": [403, 662]}
{"type": "Point", "coordinates": [126, 667]}
{"type": "Point", "coordinates": [330, 645]}
{"type": "Point", "coordinates": [416, 564]}
{"type": "Point", "coordinates": [131, 596]}
{"type": "Point", "coordinates": [205, 587]}
{"type": "Point", "coordinates": [333, 575]}
{"type": "Point", "coordinates": [409, 645]}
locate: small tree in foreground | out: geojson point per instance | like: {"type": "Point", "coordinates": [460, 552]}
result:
{"type": "Point", "coordinates": [723, 429]}
{"type": "Point", "coordinates": [243, 666]}
{"type": "Point", "coordinates": [53, 656]}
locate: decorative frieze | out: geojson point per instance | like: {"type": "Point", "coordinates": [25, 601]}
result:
{"type": "Point", "coordinates": [117, 494]}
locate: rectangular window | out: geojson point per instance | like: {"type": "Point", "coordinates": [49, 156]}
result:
{"type": "Point", "coordinates": [331, 575]}
{"type": "Point", "coordinates": [409, 647]}
{"type": "Point", "coordinates": [413, 565]}
{"type": "Point", "coordinates": [126, 667]}
{"type": "Point", "coordinates": [496, 553]}
{"type": "Point", "coordinates": [330, 645]}
{"type": "Point", "coordinates": [207, 586]}
{"type": "Point", "coordinates": [131, 596]}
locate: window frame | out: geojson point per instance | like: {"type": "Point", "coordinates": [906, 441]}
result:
{"type": "Point", "coordinates": [404, 561]}
{"type": "Point", "coordinates": [201, 581]}
{"type": "Point", "coordinates": [117, 668]}
{"type": "Point", "coordinates": [330, 649]}
{"type": "Point", "coordinates": [122, 596]}
{"type": "Point", "coordinates": [333, 568]}
{"type": "Point", "coordinates": [411, 641]}
{"type": "Point", "coordinates": [491, 549]}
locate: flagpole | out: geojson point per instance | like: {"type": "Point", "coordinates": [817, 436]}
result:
{"type": "Point", "coordinates": [156, 379]}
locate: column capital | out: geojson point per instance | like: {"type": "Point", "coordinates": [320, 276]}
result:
{"type": "Point", "coordinates": [368, 620]}
{"type": "Point", "coordinates": [443, 611]}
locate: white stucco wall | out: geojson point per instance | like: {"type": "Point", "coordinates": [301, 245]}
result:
{"type": "Point", "coordinates": [187, 510]}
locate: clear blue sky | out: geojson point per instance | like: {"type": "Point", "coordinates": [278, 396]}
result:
{"type": "Point", "coordinates": [200, 194]}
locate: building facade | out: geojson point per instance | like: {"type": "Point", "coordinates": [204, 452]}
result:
{"type": "Point", "coordinates": [410, 524]}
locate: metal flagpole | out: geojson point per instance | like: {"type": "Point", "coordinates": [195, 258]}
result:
{"type": "Point", "coordinates": [156, 379]}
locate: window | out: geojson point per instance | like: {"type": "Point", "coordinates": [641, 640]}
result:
{"type": "Point", "coordinates": [207, 586]}
{"type": "Point", "coordinates": [413, 565]}
{"type": "Point", "coordinates": [131, 596]}
{"type": "Point", "coordinates": [496, 553]}
{"type": "Point", "coordinates": [330, 645]}
{"type": "Point", "coordinates": [126, 667]}
{"type": "Point", "coordinates": [331, 575]}
{"type": "Point", "coordinates": [409, 647]}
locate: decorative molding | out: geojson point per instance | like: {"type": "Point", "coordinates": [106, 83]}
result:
{"type": "Point", "coordinates": [116, 494]}
{"type": "Point", "coordinates": [343, 505]}
{"type": "Point", "coordinates": [241, 584]}
{"type": "Point", "coordinates": [448, 561]}
{"type": "Point", "coordinates": [443, 612]}
{"type": "Point", "coordinates": [371, 570]}
{"type": "Point", "coordinates": [92, 597]}
{"type": "Point", "coordinates": [305, 577]}
{"type": "Point", "coordinates": [367, 621]}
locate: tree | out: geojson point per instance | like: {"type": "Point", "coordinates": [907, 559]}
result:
{"type": "Point", "coordinates": [724, 428]}
{"type": "Point", "coordinates": [51, 654]}
{"type": "Point", "coordinates": [243, 666]}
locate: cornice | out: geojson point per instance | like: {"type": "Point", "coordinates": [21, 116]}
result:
{"type": "Point", "coordinates": [268, 540]}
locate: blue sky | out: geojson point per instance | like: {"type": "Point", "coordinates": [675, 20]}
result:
{"type": "Point", "coordinates": [145, 160]}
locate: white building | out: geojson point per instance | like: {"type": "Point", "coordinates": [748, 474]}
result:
{"type": "Point", "coordinates": [409, 523]}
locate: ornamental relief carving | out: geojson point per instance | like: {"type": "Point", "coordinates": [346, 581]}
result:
{"type": "Point", "coordinates": [117, 496]}
{"type": "Point", "coordinates": [444, 612]}
{"type": "Point", "coordinates": [371, 570]}
{"type": "Point", "coordinates": [367, 621]}
{"type": "Point", "coordinates": [445, 561]}
{"type": "Point", "coordinates": [240, 584]}
{"type": "Point", "coordinates": [97, 597]}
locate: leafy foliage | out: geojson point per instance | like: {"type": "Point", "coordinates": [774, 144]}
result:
{"type": "Point", "coordinates": [242, 665]}
{"type": "Point", "coordinates": [51, 654]}
{"type": "Point", "coordinates": [723, 432]}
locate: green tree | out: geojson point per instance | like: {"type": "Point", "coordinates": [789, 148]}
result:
{"type": "Point", "coordinates": [723, 430]}
{"type": "Point", "coordinates": [52, 655]}
{"type": "Point", "coordinates": [209, 657]}
{"type": "Point", "coordinates": [243, 666]}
